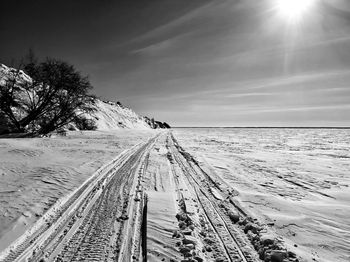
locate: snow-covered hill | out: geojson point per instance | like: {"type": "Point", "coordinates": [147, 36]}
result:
{"type": "Point", "coordinates": [106, 115]}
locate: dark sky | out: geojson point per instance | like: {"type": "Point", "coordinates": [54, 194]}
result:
{"type": "Point", "coordinates": [198, 62]}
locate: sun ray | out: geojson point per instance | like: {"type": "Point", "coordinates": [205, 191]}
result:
{"type": "Point", "coordinates": [293, 10]}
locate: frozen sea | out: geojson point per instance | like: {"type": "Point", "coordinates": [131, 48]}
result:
{"type": "Point", "coordinates": [296, 180]}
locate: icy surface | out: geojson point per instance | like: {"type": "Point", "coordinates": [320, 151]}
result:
{"type": "Point", "coordinates": [296, 180]}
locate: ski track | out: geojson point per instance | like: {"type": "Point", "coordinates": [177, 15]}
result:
{"type": "Point", "coordinates": [104, 219]}
{"type": "Point", "coordinates": [236, 248]}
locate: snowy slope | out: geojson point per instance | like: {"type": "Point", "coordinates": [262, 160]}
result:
{"type": "Point", "coordinates": [106, 115]}
{"type": "Point", "coordinates": [6, 72]}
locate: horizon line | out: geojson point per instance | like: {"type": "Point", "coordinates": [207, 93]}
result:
{"type": "Point", "coordinates": [289, 127]}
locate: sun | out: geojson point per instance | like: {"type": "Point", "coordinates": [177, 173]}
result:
{"type": "Point", "coordinates": [293, 10]}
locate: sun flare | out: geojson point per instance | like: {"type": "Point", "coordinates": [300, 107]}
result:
{"type": "Point", "coordinates": [293, 10]}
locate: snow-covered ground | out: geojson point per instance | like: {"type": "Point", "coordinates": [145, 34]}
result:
{"type": "Point", "coordinates": [205, 194]}
{"type": "Point", "coordinates": [295, 180]}
{"type": "Point", "coordinates": [35, 172]}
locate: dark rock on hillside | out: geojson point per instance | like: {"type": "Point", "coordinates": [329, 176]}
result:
{"type": "Point", "coordinates": [162, 125]}
{"type": "Point", "coordinates": [156, 124]}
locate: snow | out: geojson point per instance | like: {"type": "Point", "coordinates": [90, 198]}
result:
{"type": "Point", "coordinates": [111, 116]}
{"type": "Point", "coordinates": [107, 115]}
{"type": "Point", "coordinates": [36, 172]}
{"type": "Point", "coordinates": [6, 72]}
{"type": "Point", "coordinates": [295, 183]}
{"type": "Point", "coordinates": [296, 180]}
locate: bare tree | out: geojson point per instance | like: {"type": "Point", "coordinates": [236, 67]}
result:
{"type": "Point", "coordinates": [47, 101]}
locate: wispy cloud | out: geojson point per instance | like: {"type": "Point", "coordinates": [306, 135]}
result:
{"type": "Point", "coordinates": [160, 46]}
{"type": "Point", "coordinates": [165, 28]}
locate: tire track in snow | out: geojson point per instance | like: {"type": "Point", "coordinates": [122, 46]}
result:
{"type": "Point", "coordinates": [89, 224]}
